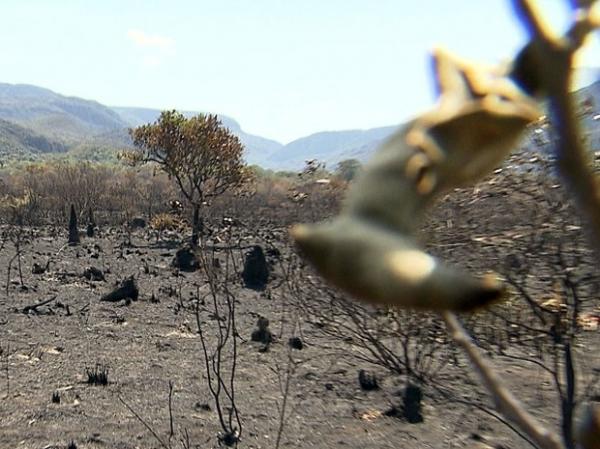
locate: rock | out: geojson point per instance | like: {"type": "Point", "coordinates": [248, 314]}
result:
{"type": "Point", "coordinates": [89, 230]}
{"type": "Point", "coordinates": [262, 334]}
{"type": "Point", "coordinates": [273, 256]}
{"type": "Point", "coordinates": [185, 259]}
{"type": "Point", "coordinates": [38, 269]}
{"type": "Point", "coordinates": [273, 253]}
{"type": "Point", "coordinates": [137, 222]}
{"type": "Point", "coordinates": [202, 407]}
{"type": "Point", "coordinates": [296, 343]}
{"type": "Point", "coordinates": [229, 439]}
{"type": "Point", "coordinates": [394, 412]}
{"type": "Point", "coordinates": [256, 270]}
{"type": "Point", "coordinates": [93, 274]}
{"type": "Point", "coordinates": [367, 381]}
{"type": "Point", "coordinates": [126, 290]}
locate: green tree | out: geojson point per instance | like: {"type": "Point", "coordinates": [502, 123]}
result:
{"type": "Point", "coordinates": [203, 157]}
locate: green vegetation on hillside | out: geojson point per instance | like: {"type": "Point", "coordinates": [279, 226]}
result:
{"type": "Point", "coordinates": [38, 124]}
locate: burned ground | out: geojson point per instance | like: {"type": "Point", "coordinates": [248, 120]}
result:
{"type": "Point", "coordinates": [56, 334]}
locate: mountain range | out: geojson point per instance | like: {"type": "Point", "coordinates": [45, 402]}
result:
{"type": "Point", "coordinates": [36, 122]}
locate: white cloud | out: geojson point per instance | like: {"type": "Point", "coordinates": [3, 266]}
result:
{"type": "Point", "coordinates": [143, 39]}
{"type": "Point", "coordinates": [153, 47]}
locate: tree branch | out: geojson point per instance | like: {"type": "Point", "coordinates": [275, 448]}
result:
{"type": "Point", "coordinates": [503, 398]}
{"type": "Point", "coordinates": [554, 73]}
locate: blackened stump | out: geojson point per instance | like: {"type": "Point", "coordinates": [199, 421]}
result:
{"type": "Point", "coordinates": [91, 223]}
{"type": "Point", "coordinates": [127, 289]}
{"type": "Point", "coordinates": [185, 259]}
{"type": "Point", "coordinates": [412, 404]}
{"type": "Point", "coordinates": [73, 231]}
{"type": "Point", "coordinates": [367, 381]}
{"type": "Point", "coordinates": [93, 274]}
{"type": "Point", "coordinates": [137, 222]}
{"type": "Point", "coordinates": [262, 334]}
{"type": "Point", "coordinates": [256, 270]}
{"type": "Point", "coordinates": [296, 343]}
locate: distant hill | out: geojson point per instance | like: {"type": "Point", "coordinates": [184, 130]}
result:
{"type": "Point", "coordinates": [258, 149]}
{"type": "Point", "coordinates": [35, 122]}
{"type": "Point", "coordinates": [85, 128]}
{"type": "Point", "coordinates": [330, 147]}
{"type": "Point", "coordinates": [67, 119]}
{"type": "Point", "coordinates": [17, 142]}
{"type": "Point", "coordinates": [140, 116]}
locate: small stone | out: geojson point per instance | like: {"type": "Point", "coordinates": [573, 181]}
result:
{"type": "Point", "coordinates": [367, 381]}
{"type": "Point", "coordinates": [296, 343]}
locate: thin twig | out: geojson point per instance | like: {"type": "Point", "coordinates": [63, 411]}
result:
{"type": "Point", "coordinates": [7, 372]}
{"type": "Point", "coordinates": [284, 387]}
{"type": "Point", "coordinates": [503, 398]}
{"type": "Point", "coordinates": [171, 430]}
{"type": "Point", "coordinates": [146, 425]}
{"type": "Point", "coordinates": [447, 394]}
{"type": "Point", "coordinates": [39, 304]}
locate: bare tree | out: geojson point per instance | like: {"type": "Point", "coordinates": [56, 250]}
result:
{"type": "Point", "coordinates": [219, 342]}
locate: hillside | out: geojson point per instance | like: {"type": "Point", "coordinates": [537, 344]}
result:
{"type": "Point", "coordinates": [38, 120]}
{"type": "Point", "coordinates": [17, 142]}
{"type": "Point", "coordinates": [35, 121]}
{"type": "Point", "coordinates": [329, 147]}
{"type": "Point", "coordinates": [334, 146]}
{"type": "Point", "coordinates": [68, 119]}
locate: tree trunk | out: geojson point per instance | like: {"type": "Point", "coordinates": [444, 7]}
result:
{"type": "Point", "coordinates": [196, 225]}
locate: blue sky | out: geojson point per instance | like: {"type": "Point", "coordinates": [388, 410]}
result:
{"type": "Point", "coordinates": [282, 68]}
